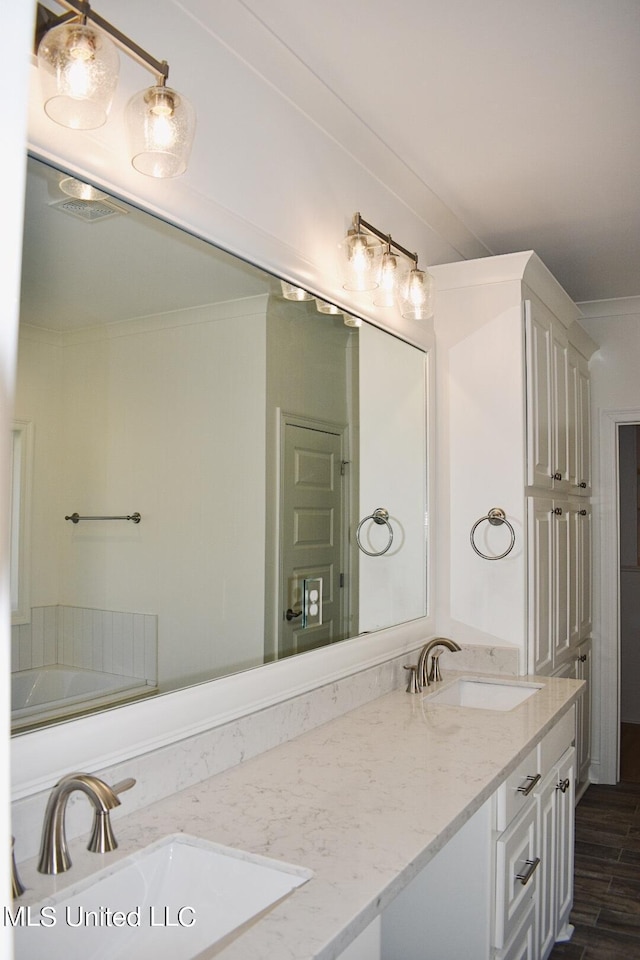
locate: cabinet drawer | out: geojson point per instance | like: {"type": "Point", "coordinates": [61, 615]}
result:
{"type": "Point", "coordinates": [522, 945]}
{"type": "Point", "coordinates": [516, 874]}
{"type": "Point", "coordinates": [511, 796]}
{"type": "Point", "coordinates": [557, 742]}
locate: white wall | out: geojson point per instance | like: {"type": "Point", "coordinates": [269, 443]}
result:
{"type": "Point", "coordinates": [392, 384]}
{"type": "Point", "coordinates": [163, 416]}
{"type": "Point", "coordinates": [39, 399]}
{"type": "Point", "coordinates": [615, 325]}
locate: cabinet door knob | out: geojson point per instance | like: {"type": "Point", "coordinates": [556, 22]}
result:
{"type": "Point", "coordinates": [583, 485]}
{"type": "Point", "coordinates": [557, 476]}
{"type": "Point", "coordinates": [581, 658]}
{"type": "Point", "coordinates": [563, 785]}
{"type": "Point", "coordinates": [582, 513]}
{"type": "Point", "coordinates": [557, 511]}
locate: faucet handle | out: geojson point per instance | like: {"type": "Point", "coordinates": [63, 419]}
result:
{"type": "Point", "coordinates": [123, 785]}
{"type": "Point", "coordinates": [17, 887]}
{"type": "Point", "coordinates": [434, 673]}
{"type": "Point", "coordinates": [102, 838]}
{"type": "Point", "coordinates": [413, 686]}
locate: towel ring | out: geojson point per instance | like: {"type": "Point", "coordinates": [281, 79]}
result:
{"type": "Point", "coordinates": [496, 517]}
{"type": "Point", "coordinates": [379, 516]}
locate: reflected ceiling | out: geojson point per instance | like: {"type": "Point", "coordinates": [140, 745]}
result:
{"type": "Point", "coordinates": [119, 270]}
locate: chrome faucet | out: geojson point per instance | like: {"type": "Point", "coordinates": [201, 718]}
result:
{"type": "Point", "coordinates": [54, 853]}
{"type": "Point", "coordinates": [425, 676]}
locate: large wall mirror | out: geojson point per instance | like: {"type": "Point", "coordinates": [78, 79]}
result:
{"type": "Point", "coordinates": [207, 476]}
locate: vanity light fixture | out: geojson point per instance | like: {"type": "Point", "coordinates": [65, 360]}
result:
{"type": "Point", "coordinates": [415, 294]}
{"type": "Point", "coordinates": [385, 295]}
{"type": "Point", "coordinates": [78, 66]}
{"type": "Point", "coordinates": [361, 251]}
{"type": "Point", "coordinates": [371, 255]}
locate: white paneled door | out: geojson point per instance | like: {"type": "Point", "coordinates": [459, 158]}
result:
{"type": "Point", "coordinates": [311, 537]}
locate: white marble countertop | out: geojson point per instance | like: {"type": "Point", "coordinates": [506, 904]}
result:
{"type": "Point", "coordinates": [364, 801]}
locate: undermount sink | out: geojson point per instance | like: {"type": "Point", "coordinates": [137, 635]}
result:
{"type": "Point", "coordinates": [170, 901]}
{"type": "Point", "coordinates": [484, 694]}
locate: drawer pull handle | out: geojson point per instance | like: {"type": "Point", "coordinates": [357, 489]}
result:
{"type": "Point", "coordinates": [526, 788]}
{"type": "Point", "coordinates": [532, 866]}
{"type": "Point", "coordinates": [564, 785]}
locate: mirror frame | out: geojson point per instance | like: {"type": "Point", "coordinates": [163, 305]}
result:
{"type": "Point", "coordinates": [98, 740]}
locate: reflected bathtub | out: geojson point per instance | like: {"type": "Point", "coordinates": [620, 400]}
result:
{"type": "Point", "coordinates": [48, 693]}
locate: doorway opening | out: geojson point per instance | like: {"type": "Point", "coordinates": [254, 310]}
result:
{"type": "Point", "coordinates": [629, 598]}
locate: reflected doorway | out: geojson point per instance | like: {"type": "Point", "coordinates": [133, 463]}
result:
{"type": "Point", "coordinates": [313, 521]}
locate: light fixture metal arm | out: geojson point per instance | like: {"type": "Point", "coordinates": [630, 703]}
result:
{"type": "Point", "coordinates": [358, 223]}
{"type": "Point", "coordinates": [83, 8]}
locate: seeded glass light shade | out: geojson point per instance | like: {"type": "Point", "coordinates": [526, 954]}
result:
{"type": "Point", "coordinates": [385, 295]}
{"type": "Point", "coordinates": [78, 69]}
{"type": "Point", "coordinates": [323, 307]}
{"type": "Point", "coordinates": [80, 190]}
{"type": "Point", "coordinates": [161, 126]}
{"type": "Point", "coordinates": [361, 251]}
{"type": "Point", "coordinates": [291, 292]}
{"type": "Point", "coordinates": [415, 295]}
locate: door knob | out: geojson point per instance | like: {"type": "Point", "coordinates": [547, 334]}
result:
{"type": "Point", "coordinates": [292, 614]}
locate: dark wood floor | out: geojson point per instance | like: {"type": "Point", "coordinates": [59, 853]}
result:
{"type": "Point", "coordinates": [606, 909]}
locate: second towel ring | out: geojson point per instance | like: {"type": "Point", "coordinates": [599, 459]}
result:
{"type": "Point", "coordinates": [379, 516]}
{"type": "Point", "coordinates": [496, 518]}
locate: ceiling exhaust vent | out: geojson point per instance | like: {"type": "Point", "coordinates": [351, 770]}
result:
{"type": "Point", "coordinates": [91, 211]}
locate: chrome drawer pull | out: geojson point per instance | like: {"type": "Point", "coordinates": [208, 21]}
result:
{"type": "Point", "coordinates": [532, 866]}
{"type": "Point", "coordinates": [526, 788]}
{"type": "Point", "coordinates": [564, 785]}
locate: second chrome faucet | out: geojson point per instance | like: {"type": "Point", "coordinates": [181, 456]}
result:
{"type": "Point", "coordinates": [54, 853]}
{"type": "Point", "coordinates": [420, 674]}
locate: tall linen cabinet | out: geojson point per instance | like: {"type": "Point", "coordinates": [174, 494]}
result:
{"type": "Point", "coordinates": [513, 424]}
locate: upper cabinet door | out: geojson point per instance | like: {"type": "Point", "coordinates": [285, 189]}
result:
{"type": "Point", "coordinates": [559, 409]}
{"type": "Point", "coordinates": [539, 392]}
{"type": "Point", "coordinates": [579, 424]}
{"type": "Point", "coordinates": [584, 428]}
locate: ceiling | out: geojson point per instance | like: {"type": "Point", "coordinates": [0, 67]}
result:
{"type": "Point", "coordinates": [521, 115]}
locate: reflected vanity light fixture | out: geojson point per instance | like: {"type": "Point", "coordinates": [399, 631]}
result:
{"type": "Point", "coordinates": [373, 264]}
{"type": "Point", "coordinates": [80, 190]}
{"type": "Point", "coordinates": [323, 307]}
{"type": "Point", "coordinates": [291, 292]}
{"type": "Point", "coordinates": [78, 66]}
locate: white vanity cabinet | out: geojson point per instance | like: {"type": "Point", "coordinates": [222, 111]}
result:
{"type": "Point", "coordinates": [534, 848]}
{"type": "Point", "coordinates": [502, 887]}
